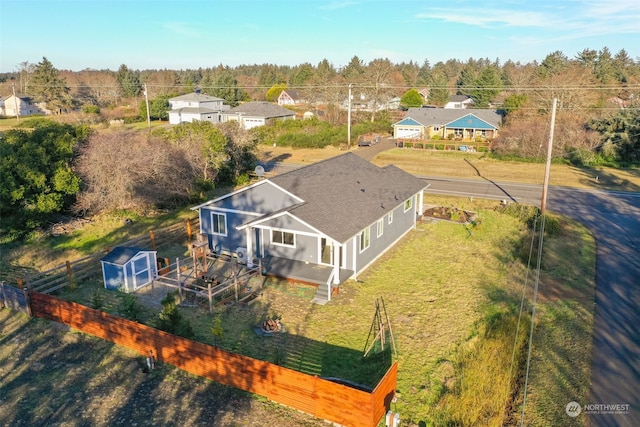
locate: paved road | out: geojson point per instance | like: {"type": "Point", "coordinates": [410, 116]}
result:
{"type": "Point", "coordinates": [614, 219]}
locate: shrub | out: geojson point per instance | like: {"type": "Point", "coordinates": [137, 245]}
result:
{"type": "Point", "coordinates": [170, 320]}
{"type": "Point", "coordinates": [90, 109]}
{"type": "Point", "coordinates": [130, 308]}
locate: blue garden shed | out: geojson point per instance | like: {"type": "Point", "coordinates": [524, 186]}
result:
{"type": "Point", "coordinates": [129, 268]}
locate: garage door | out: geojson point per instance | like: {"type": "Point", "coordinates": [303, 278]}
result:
{"type": "Point", "coordinates": [405, 132]}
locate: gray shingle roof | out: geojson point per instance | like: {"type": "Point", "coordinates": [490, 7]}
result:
{"type": "Point", "coordinates": [261, 109]}
{"type": "Point", "coordinates": [442, 116]}
{"type": "Point", "coordinates": [459, 98]}
{"type": "Point", "coordinates": [120, 255]}
{"type": "Point", "coordinates": [293, 94]}
{"type": "Point", "coordinates": [345, 194]}
{"type": "Point", "coordinates": [196, 97]}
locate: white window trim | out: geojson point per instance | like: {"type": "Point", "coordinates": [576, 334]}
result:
{"type": "Point", "coordinates": [380, 227]}
{"type": "Point", "coordinates": [390, 217]}
{"type": "Point", "coordinates": [215, 214]}
{"type": "Point", "coordinates": [286, 245]}
{"type": "Point", "coordinates": [367, 232]}
{"type": "Point", "coordinates": [408, 204]}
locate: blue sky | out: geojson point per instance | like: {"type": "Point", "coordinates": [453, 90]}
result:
{"type": "Point", "coordinates": [100, 34]}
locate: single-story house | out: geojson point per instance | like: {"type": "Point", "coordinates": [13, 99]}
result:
{"type": "Point", "coordinates": [322, 224]}
{"type": "Point", "coordinates": [461, 124]}
{"type": "Point", "coordinates": [129, 268]}
{"type": "Point", "coordinates": [459, 102]}
{"type": "Point", "coordinates": [196, 106]}
{"type": "Point", "coordinates": [257, 113]}
{"type": "Point", "coordinates": [18, 105]}
{"type": "Point", "coordinates": [290, 97]}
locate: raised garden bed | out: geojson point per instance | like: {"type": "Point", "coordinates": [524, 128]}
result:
{"type": "Point", "coordinates": [449, 214]}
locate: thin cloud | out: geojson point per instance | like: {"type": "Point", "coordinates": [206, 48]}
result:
{"type": "Point", "coordinates": [486, 18]}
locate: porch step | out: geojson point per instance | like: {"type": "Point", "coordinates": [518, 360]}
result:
{"type": "Point", "coordinates": [322, 295]}
{"type": "Point", "coordinates": [319, 301]}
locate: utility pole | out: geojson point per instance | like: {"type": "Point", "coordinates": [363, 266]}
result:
{"type": "Point", "coordinates": [349, 119]}
{"type": "Point", "coordinates": [547, 170]}
{"type": "Point", "coordinates": [15, 100]}
{"type": "Point", "coordinates": [146, 97]}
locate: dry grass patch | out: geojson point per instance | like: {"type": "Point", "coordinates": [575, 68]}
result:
{"type": "Point", "coordinates": [478, 166]}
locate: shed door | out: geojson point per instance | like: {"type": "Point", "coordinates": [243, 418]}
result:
{"type": "Point", "coordinates": [141, 271]}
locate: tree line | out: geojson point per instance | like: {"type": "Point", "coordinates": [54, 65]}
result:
{"type": "Point", "coordinates": [598, 73]}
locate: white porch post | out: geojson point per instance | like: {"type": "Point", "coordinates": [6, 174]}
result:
{"type": "Point", "coordinates": [336, 263]}
{"type": "Point", "coordinates": [421, 202]}
{"type": "Point", "coordinates": [249, 234]}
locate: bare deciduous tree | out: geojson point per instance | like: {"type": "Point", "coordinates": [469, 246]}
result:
{"type": "Point", "coordinates": [128, 170]}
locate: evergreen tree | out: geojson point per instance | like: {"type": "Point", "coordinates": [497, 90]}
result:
{"type": "Point", "coordinates": [486, 87]}
{"type": "Point", "coordinates": [438, 91]}
{"type": "Point", "coordinates": [47, 86]}
{"type": "Point", "coordinates": [620, 135]}
{"type": "Point", "coordinates": [129, 81]}
{"type": "Point", "coordinates": [226, 87]}
{"type": "Point", "coordinates": [354, 70]}
{"type": "Point", "coordinates": [302, 74]}
{"type": "Point", "coordinates": [424, 74]}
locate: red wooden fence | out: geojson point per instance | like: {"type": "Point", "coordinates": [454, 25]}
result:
{"type": "Point", "coordinates": [322, 398]}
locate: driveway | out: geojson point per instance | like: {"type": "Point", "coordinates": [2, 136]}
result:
{"type": "Point", "coordinates": [614, 220]}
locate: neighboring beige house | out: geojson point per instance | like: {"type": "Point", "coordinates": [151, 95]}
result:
{"type": "Point", "coordinates": [196, 106]}
{"type": "Point", "coordinates": [290, 97]}
{"type": "Point", "coordinates": [257, 113]}
{"type": "Point", "coordinates": [18, 105]}
{"type": "Point", "coordinates": [460, 124]}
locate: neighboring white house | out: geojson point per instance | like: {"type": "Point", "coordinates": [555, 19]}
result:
{"type": "Point", "coordinates": [257, 113]}
{"type": "Point", "coordinates": [196, 106]}
{"type": "Point", "coordinates": [290, 97]}
{"type": "Point", "coordinates": [18, 105]}
{"type": "Point", "coordinates": [459, 102]}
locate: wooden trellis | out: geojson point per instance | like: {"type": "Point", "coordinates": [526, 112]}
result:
{"type": "Point", "coordinates": [379, 329]}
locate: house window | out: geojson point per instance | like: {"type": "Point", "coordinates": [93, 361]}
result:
{"type": "Point", "coordinates": [365, 239]}
{"type": "Point", "coordinates": [407, 204]}
{"type": "Point", "coordinates": [219, 224]}
{"type": "Point", "coordinates": [390, 217]}
{"type": "Point", "coordinates": [380, 227]}
{"type": "Point", "coordinates": [283, 238]}
{"type": "Point", "coordinates": [436, 128]}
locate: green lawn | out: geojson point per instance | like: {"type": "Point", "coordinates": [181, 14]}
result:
{"type": "Point", "coordinates": [452, 295]}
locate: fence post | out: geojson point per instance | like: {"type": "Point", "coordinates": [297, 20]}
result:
{"type": "Point", "coordinates": [189, 231]}
{"type": "Point", "coordinates": [70, 274]}
{"type": "Point", "coordinates": [152, 236]}
{"type": "Point", "coordinates": [178, 276]}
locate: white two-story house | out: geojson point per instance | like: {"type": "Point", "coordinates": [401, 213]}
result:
{"type": "Point", "coordinates": [196, 106]}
